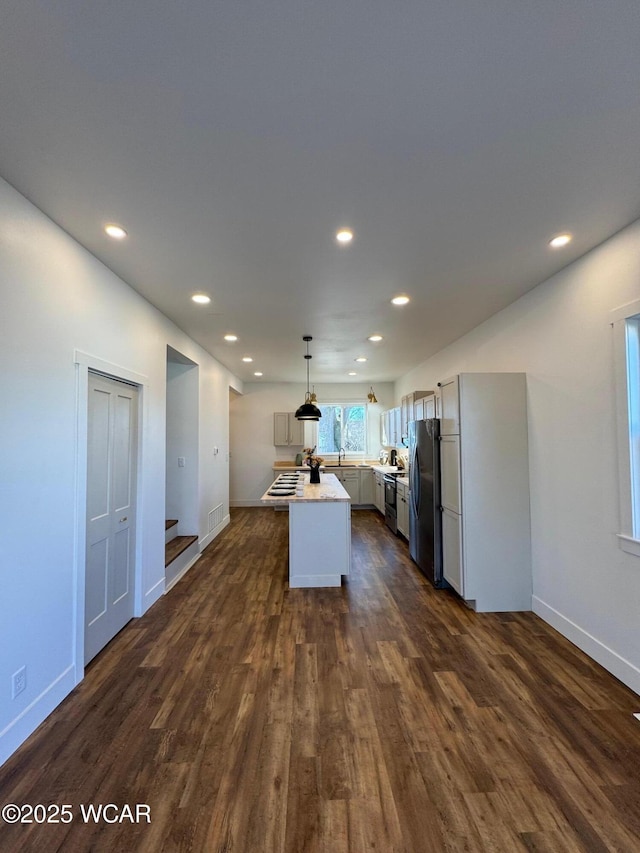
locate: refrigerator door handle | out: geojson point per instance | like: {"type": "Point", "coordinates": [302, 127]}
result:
{"type": "Point", "coordinates": [415, 478]}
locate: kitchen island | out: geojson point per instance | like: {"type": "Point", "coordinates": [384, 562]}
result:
{"type": "Point", "coordinates": [319, 531]}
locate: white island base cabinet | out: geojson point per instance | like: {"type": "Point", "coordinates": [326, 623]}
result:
{"type": "Point", "coordinates": [319, 543]}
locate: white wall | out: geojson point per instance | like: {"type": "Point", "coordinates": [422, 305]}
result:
{"type": "Point", "coordinates": [251, 424]}
{"type": "Point", "coordinates": [560, 335]}
{"type": "Point", "coordinates": [56, 299]}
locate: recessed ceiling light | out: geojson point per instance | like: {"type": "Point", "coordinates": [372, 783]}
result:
{"type": "Point", "coordinates": [560, 240]}
{"type": "Point", "coordinates": [361, 359]}
{"type": "Point", "coordinates": [257, 373]}
{"type": "Point", "coordinates": [375, 338]}
{"type": "Point", "coordinates": [231, 337]}
{"type": "Point", "coordinates": [400, 300]}
{"type": "Point", "coordinates": [352, 373]}
{"type": "Point", "coordinates": [247, 358]}
{"type": "Point", "coordinates": [115, 231]}
{"type": "Point", "coordinates": [201, 298]}
{"type": "Point", "coordinates": [344, 236]}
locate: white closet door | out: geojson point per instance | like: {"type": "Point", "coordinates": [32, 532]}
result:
{"type": "Point", "coordinates": [111, 502]}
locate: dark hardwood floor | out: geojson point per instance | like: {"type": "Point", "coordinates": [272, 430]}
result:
{"type": "Point", "coordinates": [383, 716]}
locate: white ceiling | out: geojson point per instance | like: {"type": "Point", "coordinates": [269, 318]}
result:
{"type": "Point", "coordinates": [233, 138]}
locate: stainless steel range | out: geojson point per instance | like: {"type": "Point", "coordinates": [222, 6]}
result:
{"type": "Point", "coordinates": [391, 499]}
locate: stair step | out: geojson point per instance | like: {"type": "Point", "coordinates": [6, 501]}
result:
{"type": "Point", "coordinates": [170, 522]}
{"type": "Point", "coordinates": [177, 545]}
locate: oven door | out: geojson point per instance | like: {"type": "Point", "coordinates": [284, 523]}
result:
{"type": "Point", "coordinates": [390, 503]}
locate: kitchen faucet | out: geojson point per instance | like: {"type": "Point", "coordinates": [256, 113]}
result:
{"type": "Point", "coordinates": [341, 454]}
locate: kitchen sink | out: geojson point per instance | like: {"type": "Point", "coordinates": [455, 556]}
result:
{"type": "Point", "coordinates": [345, 465]}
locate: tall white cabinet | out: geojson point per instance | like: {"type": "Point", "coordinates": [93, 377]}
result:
{"type": "Point", "coordinates": [485, 489]}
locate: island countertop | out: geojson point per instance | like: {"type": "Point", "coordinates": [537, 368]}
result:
{"type": "Point", "coordinates": [329, 489]}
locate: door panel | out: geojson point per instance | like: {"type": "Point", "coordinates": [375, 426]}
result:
{"type": "Point", "coordinates": [122, 460]}
{"type": "Point", "coordinates": [452, 568]}
{"type": "Point", "coordinates": [121, 568]}
{"type": "Point", "coordinates": [96, 581]}
{"type": "Point", "coordinates": [111, 493]}
{"type": "Point", "coordinates": [98, 462]}
{"type": "Point", "coordinates": [450, 472]}
{"type": "Point", "coordinates": [450, 407]}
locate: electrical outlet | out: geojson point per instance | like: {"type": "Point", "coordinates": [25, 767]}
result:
{"type": "Point", "coordinates": [18, 682]}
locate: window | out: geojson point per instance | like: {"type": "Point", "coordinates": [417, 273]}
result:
{"type": "Point", "coordinates": [627, 352]}
{"type": "Point", "coordinates": [342, 426]}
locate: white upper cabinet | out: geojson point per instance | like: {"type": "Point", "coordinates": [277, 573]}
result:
{"type": "Point", "coordinates": [449, 407]}
{"type": "Point", "coordinates": [429, 407]}
{"type": "Point", "coordinates": [411, 409]}
{"type": "Point", "coordinates": [287, 430]}
{"type": "Point", "coordinates": [390, 428]}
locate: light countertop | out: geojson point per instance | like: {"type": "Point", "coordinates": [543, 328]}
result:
{"type": "Point", "coordinates": [385, 469]}
{"type": "Point", "coordinates": [329, 468]}
{"type": "Point", "coordinates": [329, 489]}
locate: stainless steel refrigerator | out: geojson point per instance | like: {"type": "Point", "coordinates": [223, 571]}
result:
{"type": "Point", "coordinates": [425, 517]}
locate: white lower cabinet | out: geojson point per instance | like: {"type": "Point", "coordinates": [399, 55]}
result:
{"type": "Point", "coordinates": [351, 482]}
{"type": "Point", "coordinates": [379, 496]}
{"type": "Point", "coordinates": [452, 550]}
{"type": "Point", "coordinates": [319, 543]}
{"type": "Point", "coordinates": [367, 486]}
{"type": "Point", "coordinates": [402, 509]}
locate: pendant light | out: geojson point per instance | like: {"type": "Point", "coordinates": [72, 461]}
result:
{"type": "Point", "coordinates": [307, 411]}
{"type": "Point", "coordinates": [371, 396]}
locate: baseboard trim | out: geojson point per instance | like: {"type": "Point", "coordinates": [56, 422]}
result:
{"type": "Point", "coordinates": [25, 724]}
{"type": "Point", "coordinates": [208, 539]}
{"type": "Point", "coordinates": [152, 595]}
{"type": "Point", "coordinates": [309, 581]}
{"type": "Point", "coordinates": [614, 663]}
{"type": "Point", "coordinates": [169, 586]}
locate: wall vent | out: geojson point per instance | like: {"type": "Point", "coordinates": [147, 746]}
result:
{"type": "Point", "coordinates": [215, 517]}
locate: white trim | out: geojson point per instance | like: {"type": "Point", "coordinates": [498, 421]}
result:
{"type": "Point", "coordinates": [618, 666]}
{"type": "Point", "coordinates": [629, 544]}
{"type": "Point", "coordinates": [208, 539]}
{"type": "Point", "coordinates": [619, 319]}
{"type": "Point", "coordinates": [19, 729]}
{"type": "Point", "coordinates": [115, 371]}
{"type": "Point", "coordinates": [152, 595]}
{"type": "Point", "coordinates": [181, 573]}
{"type": "Point", "coordinates": [84, 363]}
{"type": "Point", "coordinates": [314, 581]}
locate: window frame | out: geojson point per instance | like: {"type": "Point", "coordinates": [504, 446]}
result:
{"type": "Point", "coordinates": [626, 338]}
{"type": "Point", "coordinates": [353, 454]}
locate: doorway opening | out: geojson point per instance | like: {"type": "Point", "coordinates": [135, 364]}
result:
{"type": "Point", "coordinates": [182, 451]}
